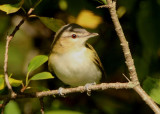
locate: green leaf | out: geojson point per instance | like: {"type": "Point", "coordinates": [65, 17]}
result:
{"type": "Point", "coordinates": [152, 87]}
{"type": "Point", "coordinates": [36, 62]}
{"type": "Point", "coordinates": [52, 23]}
{"type": "Point", "coordinates": [63, 112]}
{"type": "Point", "coordinates": [11, 8]}
{"type": "Point", "coordinates": [14, 82]}
{"type": "Point", "coordinates": [2, 85]}
{"type": "Point", "coordinates": [12, 108]}
{"type": "Point", "coordinates": [42, 76]}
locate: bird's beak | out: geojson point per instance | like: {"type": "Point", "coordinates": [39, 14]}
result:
{"type": "Point", "coordinates": [94, 34]}
{"type": "Point", "coordinates": [90, 35]}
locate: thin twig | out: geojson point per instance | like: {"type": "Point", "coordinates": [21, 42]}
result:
{"type": "Point", "coordinates": [9, 38]}
{"type": "Point", "coordinates": [126, 78]}
{"type": "Point", "coordinates": [42, 105]}
{"type": "Point", "coordinates": [12, 94]}
{"type": "Point", "coordinates": [80, 89]}
{"type": "Point", "coordinates": [129, 61]}
{"type": "Point", "coordinates": [6, 64]}
{"type": "Point", "coordinates": [102, 6]}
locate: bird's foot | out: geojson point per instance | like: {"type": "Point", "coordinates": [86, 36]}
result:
{"type": "Point", "coordinates": [60, 92]}
{"type": "Point", "coordinates": [87, 88]}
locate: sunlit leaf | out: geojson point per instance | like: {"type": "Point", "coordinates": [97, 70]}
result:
{"type": "Point", "coordinates": [42, 76]}
{"type": "Point", "coordinates": [52, 23]}
{"type": "Point", "coordinates": [63, 112]}
{"type": "Point", "coordinates": [14, 82]}
{"type": "Point", "coordinates": [88, 19]}
{"type": "Point", "coordinates": [11, 8]}
{"type": "Point", "coordinates": [2, 82]}
{"type": "Point", "coordinates": [152, 87]}
{"type": "Point", "coordinates": [36, 62]}
{"type": "Point", "coordinates": [12, 108]}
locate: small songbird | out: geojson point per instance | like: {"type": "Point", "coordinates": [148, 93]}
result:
{"type": "Point", "coordinates": [74, 61]}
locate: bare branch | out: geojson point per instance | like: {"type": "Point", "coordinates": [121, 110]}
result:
{"type": "Point", "coordinates": [81, 89]}
{"type": "Point", "coordinates": [124, 43]}
{"type": "Point", "coordinates": [129, 61]}
{"type": "Point", "coordinates": [6, 64]}
{"type": "Point", "coordinates": [9, 38]}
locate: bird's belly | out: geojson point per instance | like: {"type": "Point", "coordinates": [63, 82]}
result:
{"type": "Point", "coordinates": [76, 71]}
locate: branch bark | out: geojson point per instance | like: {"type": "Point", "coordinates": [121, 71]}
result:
{"type": "Point", "coordinates": [12, 94]}
{"type": "Point", "coordinates": [80, 89]}
{"type": "Point", "coordinates": [9, 38]}
{"type": "Point", "coordinates": [111, 5]}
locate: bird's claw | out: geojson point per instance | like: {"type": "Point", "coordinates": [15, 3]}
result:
{"type": "Point", "coordinates": [87, 88]}
{"type": "Point", "coordinates": [60, 92]}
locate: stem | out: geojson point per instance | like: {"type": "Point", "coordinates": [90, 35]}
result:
{"type": "Point", "coordinates": [42, 105]}
{"type": "Point", "coordinates": [27, 82]}
{"type": "Point", "coordinates": [129, 61]}
{"type": "Point", "coordinates": [12, 94]}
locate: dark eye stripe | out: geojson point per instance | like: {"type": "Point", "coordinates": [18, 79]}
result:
{"type": "Point", "coordinates": [74, 35]}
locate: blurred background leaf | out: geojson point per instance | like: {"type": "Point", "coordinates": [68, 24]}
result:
{"type": "Point", "coordinates": [53, 24]}
{"type": "Point", "coordinates": [12, 107]}
{"type": "Point", "coordinates": [152, 87]}
{"type": "Point", "coordinates": [12, 81]}
{"type": "Point", "coordinates": [11, 8]}
{"type": "Point", "coordinates": [2, 82]}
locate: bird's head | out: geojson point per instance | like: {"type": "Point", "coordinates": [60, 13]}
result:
{"type": "Point", "coordinates": [71, 36]}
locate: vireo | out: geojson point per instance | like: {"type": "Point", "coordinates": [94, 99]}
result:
{"type": "Point", "coordinates": [74, 61]}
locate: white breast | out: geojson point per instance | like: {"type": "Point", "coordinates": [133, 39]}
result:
{"type": "Point", "coordinates": [75, 68]}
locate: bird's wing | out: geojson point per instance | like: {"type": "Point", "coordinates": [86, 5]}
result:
{"type": "Point", "coordinates": [96, 59]}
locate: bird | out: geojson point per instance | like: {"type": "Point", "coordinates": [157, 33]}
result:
{"type": "Point", "coordinates": [72, 59]}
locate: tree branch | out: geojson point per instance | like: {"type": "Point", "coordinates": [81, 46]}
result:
{"type": "Point", "coordinates": [80, 89]}
{"type": "Point", "coordinates": [127, 54]}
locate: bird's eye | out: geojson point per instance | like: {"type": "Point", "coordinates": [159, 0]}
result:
{"type": "Point", "coordinates": [74, 35]}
